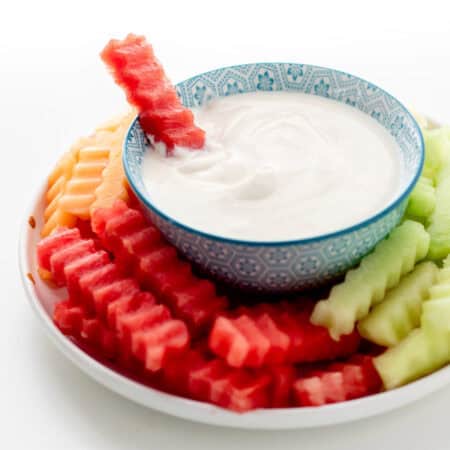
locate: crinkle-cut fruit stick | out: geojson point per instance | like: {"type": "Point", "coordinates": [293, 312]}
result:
{"type": "Point", "coordinates": [135, 68]}
{"type": "Point", "coordinates": [53, 216]}
{"type": "Point", "coordinates": [72, 184]}
{"type": "Point", "coordinates": [139, 246]}
{"type": "Point", "coordinates": [152, 334]}
{"type": "Point", "coordinates": [436, 311]}
{"type": "Point", "coordinates": [237, 389]}
{"type": "Point", "coordinates": [337, 383]}
{"type": "Point", "coordinates": [264, 335]}
{"type": "Point", "coordinates": [113, 185]}
{"type": "Point", "coordinates": [61, 259]}
{"type": "Point", "coordinates": [145, 329]}
{"type": "Point", "coordinates": [427, 348]}
{"type": "Point", "coordinates": [420, 353]}
{"type": "Point", "coordinates": [399, 313]}
{"type": "Point", "coordinates": [68, 317]}
{"type": "Point", "coordinates": [73, 320]}
{"type": "Point", "coordinates": [79, 193]}
{"type": "Point", "coordinates": [196, 376]}
{"type": "Point", "coordinates": [439, 222]}
{"type": "Point", "coordinates": [422, 200]}
{"type": "Point", "coordinates": [437, 152]}
{"type": "Point", "coordinates": [51, 244]}
{"type": "Point", "coordinates": [366, 285]}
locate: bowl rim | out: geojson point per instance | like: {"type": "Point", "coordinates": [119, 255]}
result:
{"type": "Point", "coordinates": [392, 205]}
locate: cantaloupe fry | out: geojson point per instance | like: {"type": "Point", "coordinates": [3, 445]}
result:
{"type": "Point", "coordinates": [114, 184]}
{"type": "Point", "coordinates": [57, 180]}
{"type": "Point", "coordinates": [92, 162]}
{"type": "Point", "coordinates": [79, 193]}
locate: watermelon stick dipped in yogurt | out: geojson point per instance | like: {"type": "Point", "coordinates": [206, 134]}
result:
{"type": "Point", "coordinates": [161, 114]}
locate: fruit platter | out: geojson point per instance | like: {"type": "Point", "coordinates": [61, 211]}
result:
{"type": "Point", "coordinates": [136, 260]}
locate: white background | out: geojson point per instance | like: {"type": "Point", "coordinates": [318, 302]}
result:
{"type": "Point", "coordinates": [53, 88]}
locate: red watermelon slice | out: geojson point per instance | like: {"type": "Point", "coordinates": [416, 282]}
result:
{"type": "Point", "coordinates": [264, 335]}
{"type": "Point", "coordinates": [135, 68]}
{"type": "Point", "coordinates": [339, 382]}
{"type": "Point", "coordinates": [108, 309]}
{"type": "Point", "coordinates": [139, 246]}
{"type": "Point", "coordinates": [236, 389]}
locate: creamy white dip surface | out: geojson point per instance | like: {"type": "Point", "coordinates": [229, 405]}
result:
{"type": "Point", "coordinates": [276, 166]}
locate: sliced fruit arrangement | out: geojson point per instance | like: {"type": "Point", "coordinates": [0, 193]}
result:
{"type": "Point", "coordinates": [53, 215]}
{"type": "Point", "coordinates": [108, 310]}
{"type": "Point", "coordinates": [137, 303]}
{"type": "Point", "coordinates": [140, 249]}
{"type": "Point", "coordinates": [90, 175]}
{"type": "Point", "coordinates": [133, 301]}
{"type": "Point", "coordinates": [161, 114]}
{"type": "Point", "coordinates": [104, 303]}
{"type": "Point", "coordinates": [367, 284]}
{"type": "Point", "coordinates": [72, 319]}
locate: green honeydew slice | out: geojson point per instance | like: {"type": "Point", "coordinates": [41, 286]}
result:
{"type": "Point", "coordinates": [420, 353]}
{"type": "Point", "coordinates": [399, 313]}
{"type": "Point", "coordinates": [427, 348]}
{"type": "Point", "coordinates": [439, 227]}
{"type": "Point", "coordinates": [437, 151]}
{"type": "Point", "coordinates": [422, 200]}
{"type": "Point", "coordinates": [366, 285]}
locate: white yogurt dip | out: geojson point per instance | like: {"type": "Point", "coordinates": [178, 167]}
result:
{"type": "Point", "coordinates": [276, 166]}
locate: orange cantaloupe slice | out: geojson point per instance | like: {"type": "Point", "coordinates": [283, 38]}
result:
{"type": "Point", "coordinates": [88, 176]}
{"type": "Point", "coordinates": [114, 185]}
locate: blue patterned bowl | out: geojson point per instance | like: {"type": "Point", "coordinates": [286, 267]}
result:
{"type": "Point", "coordinates": [289, 265]}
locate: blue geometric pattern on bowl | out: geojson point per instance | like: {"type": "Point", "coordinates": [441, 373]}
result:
{"type": "Point", "coordinates": [291, 265]}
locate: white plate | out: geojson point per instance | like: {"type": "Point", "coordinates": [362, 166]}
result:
{"type": "Point", "coordinates": [42, 300]}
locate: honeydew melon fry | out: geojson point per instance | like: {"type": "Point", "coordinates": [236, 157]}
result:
{"type": "Point", "coordinates": [425, 349]}
{"type": "Point", "coordinates": [422, 200]}
{"type": "Point", "coordinates": [436, 311]}
{"type": "Point", "coordinates": [366, 285]}
{"type": "Point", "coordinates": [419, 354]}
{"type": "Point", "coordinates": [437, 151]}
{"type": "Point", "coordinates": [439, 227]}
{"type": "Point", "coordinates": [399, 313]}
